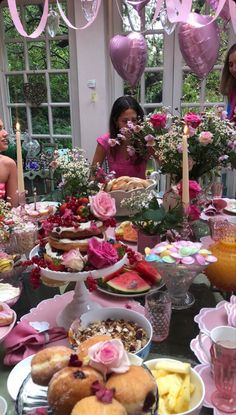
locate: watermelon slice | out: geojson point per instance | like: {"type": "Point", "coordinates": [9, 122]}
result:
{"type": "Point", "coordinates": [129, 282]}
{"type": "Point", "coordinates": [113, 275]}
{"type": "Point", "coordinates": [148, 272]}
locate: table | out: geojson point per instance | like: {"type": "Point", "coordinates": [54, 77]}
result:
{"type": "Point", "coordinates": [182, 330]}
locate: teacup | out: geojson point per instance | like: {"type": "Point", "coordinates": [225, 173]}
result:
{"type": "Point", "coordinates": [222, 338]}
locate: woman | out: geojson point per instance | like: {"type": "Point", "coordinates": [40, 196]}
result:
{"type": "Point", "coordinates": [124, 109]}
{"type": "Point", "coordinates": [8, 172]}
{"type": "Point", "coordinates": [228, 82]}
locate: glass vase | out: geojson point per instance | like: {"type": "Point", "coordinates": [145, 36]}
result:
{"type": "Point", "coordinates": [178, 278]}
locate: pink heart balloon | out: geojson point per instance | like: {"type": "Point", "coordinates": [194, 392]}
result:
{"type": "Point", "coordinates": [129, 56]}
{"type": "Point", "coordinates": [225, 13]}
{"type": "Point", "coordinates": [140, 4]}
{"type": "Point", "coordinates": [199, 45]}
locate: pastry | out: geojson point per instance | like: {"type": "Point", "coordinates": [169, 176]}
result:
{"type": "Point", "coordinates": [135, 389]}
{"type": "Point", "coordinates": [91, 405]}
{"type": "Point", "coordinates": [86, 344]}
{"type": "Point", "coordinates": [6, 315]}
{"type": "Point", "coordinates": [47, 362]}
{"type": "Point", "coordinates": [70, 385]}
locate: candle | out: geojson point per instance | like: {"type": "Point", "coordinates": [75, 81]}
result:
{"type": "Point", "coordinates": [20, 173]}
{"type": "Point", "coordinates": [185, 169]}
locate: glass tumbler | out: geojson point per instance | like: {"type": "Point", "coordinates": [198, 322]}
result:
{"type": "Point", "coordinates": [158, 312]}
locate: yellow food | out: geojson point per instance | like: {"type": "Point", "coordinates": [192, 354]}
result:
{"type": "Point", "coordinates": [174, 386]}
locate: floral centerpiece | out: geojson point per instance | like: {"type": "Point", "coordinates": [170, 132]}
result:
{"type": "Point", "coordinates": [141, 137]}
{"type": "Point", "coordinates": [211, 144]}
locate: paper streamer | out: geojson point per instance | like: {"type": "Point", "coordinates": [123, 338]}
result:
{"type": "Point", "coordinates": [17, 22]}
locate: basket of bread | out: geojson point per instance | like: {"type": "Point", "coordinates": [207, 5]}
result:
{"type": "Point", "coordinates": [122, 187]}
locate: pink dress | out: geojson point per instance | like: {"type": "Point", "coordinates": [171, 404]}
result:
{"type": "Point", "coordinates": [121, 166]}
{"type": "Point", "coordinates": [2, 190]}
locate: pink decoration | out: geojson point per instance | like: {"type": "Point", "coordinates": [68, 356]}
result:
{"type": "Point", "coordinates": [69, 24]}
{"type": "Point", "coordinates": [138, 5]}
{"type": "Point", "coordinates": [225, 13]}
{"type": "Point", "coordinates": [129, 55]}
{"type": "Point", "coordinates": [199, 45]}
{"type": "Point", "coordinates": [102, 205]}
{"type": "Point", "coordinates": [18, 24]}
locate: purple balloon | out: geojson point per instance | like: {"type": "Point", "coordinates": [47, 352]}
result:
{"type": "Point", "coordinates": [140, 4]}
{"type": "Point", "coordinates": [129, 56]}
{"type": "Point", "coordinates": [225, 13]}
{"type": "Point", "coordinates": [199, 45]}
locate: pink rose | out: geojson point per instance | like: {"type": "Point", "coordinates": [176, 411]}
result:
{"type": "Point", "coordinates": [73, 259]}
{"type": "Point", "coordinates": [158, 121]}
{"type": "Point", "coordinates": [109, 356]}
{"type": "Point", "coordinates": [194, 189]}
{"type": "Point", "coordinates": [205, 137]}
{"type": "Point", "coordinates": [192, 119]}
{"type": "Point", "coordinates": [193, 212]}
{"type": "Point", "coordinates": [102, 205]}
{"type": "Point", "coordinates": [101, 253]}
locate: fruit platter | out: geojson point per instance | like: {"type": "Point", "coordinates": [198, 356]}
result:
{"type": "Point", "coordinates": [131, 280]}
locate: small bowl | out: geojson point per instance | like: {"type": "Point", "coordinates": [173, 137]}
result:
{"type": "Point", "coordinates": [197, 398]}
{"type": "Point", "coordinates": [3, 406]}
{"type": "Point", "coordinates": [118, 314]}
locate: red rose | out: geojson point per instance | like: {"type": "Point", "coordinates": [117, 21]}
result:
{"type": "Point", "coordinates": [158, 121]}
{"type": "Point", "coordinates": [193, 212]}
{"type": "Point", "coordinates": [193, 120]}
{"type": "Point", "coordinates": [194, 189]}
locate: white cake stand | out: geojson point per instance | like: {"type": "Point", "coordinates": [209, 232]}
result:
{"type": "Point", "coordinates": [80, 303]}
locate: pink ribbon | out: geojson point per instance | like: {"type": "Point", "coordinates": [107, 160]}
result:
{"type": "Point", "coordinates": [232, 10]}
{"type": "Point", "coordinates": [66, 20]}
{"type": "Point", "coordinates": [17, 22]}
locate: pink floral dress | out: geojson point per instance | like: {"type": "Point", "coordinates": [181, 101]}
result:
{"type": "Point", "coordinates": [2, 190]}
{"type": "Point", "coordinates": [121, 166]}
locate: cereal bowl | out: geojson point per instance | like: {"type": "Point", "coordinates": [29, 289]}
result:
{"type": "Point", "coordinates": [198, 394]}
{"type": "Point", "coordinates": [127, 325]}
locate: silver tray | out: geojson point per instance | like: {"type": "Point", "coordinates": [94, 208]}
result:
{"type": "Point", "coordinates": [30, 397]}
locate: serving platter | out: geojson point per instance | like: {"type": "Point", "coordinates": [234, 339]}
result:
{"type": "Point", "coordinates": [108, 291]}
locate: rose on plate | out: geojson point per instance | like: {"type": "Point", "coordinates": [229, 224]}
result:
{"type": "Point", "coordinates": [101, 253]}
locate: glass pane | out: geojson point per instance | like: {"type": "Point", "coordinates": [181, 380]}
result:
{"type": "Point", "coordinates": [212, 87]}
{"type": "Point", "coordinates": [155, 49]}
{"type": "Point", "coordinates": [16, 88]}
{"type": "Point", "coordinates": [153, 86]}
{"type": "Point", "coordinates": [9, 27]}
{"type": "Point", "coordinates": [19, 115]}
{"type": "Point", "coordinates": [191, 85]}
{"type": "Point", "coordinates": [59, 54]}
{"type": "Point", "coordinates": [15, 57]}
{"type": "Point", "coordinates": [32, 15]}
{"type": "Point", "coordinates": [40, 123]}
{"type": "Point", "coordinates": [36, 89]}
{"type": "Point", "coordinates": [64, 143]}
{"type": "Point", "coordinates": [59, 88]}
{"type": "Point", "coordinates": [37, 55]}
{"type": "Point", "coordinates": [63, 28]}
{"type": "Point", "coordinates": [61, 120]}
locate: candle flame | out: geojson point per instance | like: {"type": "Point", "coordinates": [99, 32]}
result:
{"type": "Point", "coordinates": [17, 126]}
{"type": "Point", "coordinates": [186, 130]}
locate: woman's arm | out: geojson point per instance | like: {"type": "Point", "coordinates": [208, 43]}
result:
{"type": "Point", "coordinates": [11, 185]}
{"type": "Point", "coordinates": [99, 156]}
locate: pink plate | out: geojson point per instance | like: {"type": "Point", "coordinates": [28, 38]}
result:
{"type": "Point", "coordinates": [209, 318]}
{"type": "Point", "coordinates": [197, 350]}
{"type": "Point", "coordinates": [5, 330]}
{"type": "Point", "coordinates": [205, 373]}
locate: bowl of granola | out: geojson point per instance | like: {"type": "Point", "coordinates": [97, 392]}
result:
{"type": "Point", "coordinates": [131, 327]}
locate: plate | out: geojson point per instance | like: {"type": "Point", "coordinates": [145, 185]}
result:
{"type": "Point", "coordinates": [17, 376]}
{"type": "Point", "coordinates": [5, 330]}
{"type": "Point", "coordinates": [231, 206]}
{"type": "Point", "coordinates": [126, 295]}
{"type": "Point", "coordinates": [209, 318]}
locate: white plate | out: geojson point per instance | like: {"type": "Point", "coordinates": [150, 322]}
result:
{"type": "Point", "coordinates": [231, 206]}
{"type": "Point", "coordinates": [17, 376]}
{"type": "Point", "coordinates": [126, 295]}
{"type": "Point", "coordinates": [5, 330]}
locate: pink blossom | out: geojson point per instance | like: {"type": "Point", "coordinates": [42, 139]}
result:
{"type": "Point", "coordinates": [194, 189]}
{"type": "Point", "coordinates": [158, 121]}
{"type": "Point", "coordinates": [112, 142]}
{"type": "Point", "coordinates": [73, 259]}
{"type": "Point", "coordinates": [101, 253]}
{"type": "Point", "coordinates": [192, 119]}
{"type": "Point", "coordinates": [150, 140]}
{"type": "Point", "coordinates": [205, 137]}
{"type": "Point", "coordinates": [137, 128]}
{"type": "Point", "coordinates": [222, 158]}
{"type": "Point", "coordinates": [180, 148]}
{"type": "Point", "coordinates": [193, 212]}
{"type": "Point", "coordinates": [109, 356]}
{"type": "Point", "coordinates": [102, 205]}
{"type": "Point", "coordinates": [131, 151]}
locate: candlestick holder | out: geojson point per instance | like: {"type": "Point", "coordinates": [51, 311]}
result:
{"type": "Point", "coordinates": [22, 201]}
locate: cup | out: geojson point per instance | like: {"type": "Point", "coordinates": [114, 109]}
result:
{"type": "Point", "coordinates": [217, 190]}
{"type": "Point", "coordinates": [158, 312]}
{"type": "Point", "coordinates": [222, 358]}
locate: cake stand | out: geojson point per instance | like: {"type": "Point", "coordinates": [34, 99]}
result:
{"type": "Point", "coordinates": [80, 303]}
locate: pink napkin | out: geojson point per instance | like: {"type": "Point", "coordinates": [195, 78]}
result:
{"type": "Point", "coordinates": [230, 308]}
{"type": "Point", "coordinates": [214, 207]}
{"type": "Point", "coordinates": [24, 341]}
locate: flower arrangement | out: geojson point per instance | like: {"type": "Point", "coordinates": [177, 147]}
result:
{"type": "Point", "coordinates": [141, 137]}
{"type": "Point", "coordinates": [148, 216]}
{"type": "Point", "coordinates": [211, 144]}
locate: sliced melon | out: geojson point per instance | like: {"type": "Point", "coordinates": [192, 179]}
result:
{"type": "Point", "coordinates": [148, 272]}
{"type": "Point", "coordinates": [129, 282]}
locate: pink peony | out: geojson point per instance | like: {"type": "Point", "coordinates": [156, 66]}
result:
{"type": "Point", "coordinates": [192, 120]}
{"type": "Point", "coordinates": [102, 205]}
{"type": "Point", "coordinates": [205, 137]}
{"type": "Point", "coordinates": [194, 189]}
{"type": "Point", "coordinates": [109, 356]}
{"type": "Point", "coordinates": [73, 259]}
{"type": "Point", "coordinates": [101, 253]}
{"type": "Point", "coordinates": [158, 121]}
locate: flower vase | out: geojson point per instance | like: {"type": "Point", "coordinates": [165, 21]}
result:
{"type": "Point", "coordinates": [145, 240]}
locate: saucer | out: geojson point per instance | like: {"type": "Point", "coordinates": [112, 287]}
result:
{"type": "Point", "coordinates": [209, 318]}
{"type": "Point", "coordinates": [197, 350]}
{"type": "Point", "coordinates": [205, 373]}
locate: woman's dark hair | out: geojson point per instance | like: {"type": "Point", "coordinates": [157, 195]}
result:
{"type": "Point", "coordinates": [228, 82]}
{"type": "Point", "coordinates": [120, 105]}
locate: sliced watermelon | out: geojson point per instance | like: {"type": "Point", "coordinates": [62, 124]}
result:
{"type": "Point", "coordinates": [147, 271]}
{"type": "Point", "coordinates": [129, 282]}
{"type": "Point", "coordinates": [113, 275]}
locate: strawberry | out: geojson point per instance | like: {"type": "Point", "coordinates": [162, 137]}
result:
{"type": "Point", "coordinates": [83, 200]}
{"type": "Point", "coordinates": [62, 208]}
{"type": "Point", "coordinates": [83, 211]}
